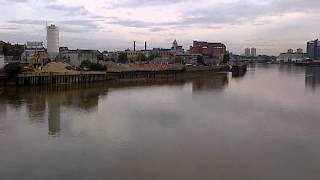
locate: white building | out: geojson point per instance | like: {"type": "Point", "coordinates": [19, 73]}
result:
{"type": "Point", "coordinates": [291, 56]}
{"type": "Point", "coordinates": [178, 50]}
{"type": "Point", "coordinates": [75, 57]}
{"type": "Point", "coordinates": [52, 41]}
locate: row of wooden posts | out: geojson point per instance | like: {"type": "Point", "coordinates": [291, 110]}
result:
{"type": "Point", "coordinates": [51, 78]}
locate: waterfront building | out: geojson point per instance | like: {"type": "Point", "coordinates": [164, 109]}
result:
{"type": "Point", "coordinates": [290, 56]}
{"type": "Point", "coordinates": [133, 54]}
{"type": "Point", "coordinates": [300, 50]}
{"type": "Point", "coordinates": [110, 56]}
{"type": "Point", "coordinates": [31, 48]}
{"type": "Point", "coordinates": [213, 50]}
{"type": "Point", "coordinates": [161, 52]}
{"type": "Point", "coordinates": [178, 50]}
{"type": "Point", "coordinates": [12, 52]}
{"type": "Point", "coordinates": [250, 52]}
{"type": "Point", "coordinates": [53, 41]}
{"type": "Point", "coordinates": [290, 51]}
{"type": "Point", "coordinates": [313, 49]}
{"type": "Point", "coordinates": [247, 52]}
{"type": "Point", "coordinates": [75, 57]}
{"type": "Point", "coordinates": [253, 52]}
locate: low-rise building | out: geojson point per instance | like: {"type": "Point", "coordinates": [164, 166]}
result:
{"type": "Point", "coordinates": [133, 54]}
{"type": "Point", "coordinates": [290, 56]}
{"type": "Point", "coordinates": [212, 50]}
{"type": "Point", "coordinates": [160, 52]}
{"type": "Point", "coordinates": [31, 48]}
{"type": "Point", "coordinates": [110, 56]}
{"type": "Point", "coordinates": [177, 50]}
{"type": "Point", "coordinates": [12, 52]}
{"type": "Point", "coordinates": [75, 57]}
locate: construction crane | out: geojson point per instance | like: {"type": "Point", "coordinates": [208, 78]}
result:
{"type": "Point", "coordinates": [37, 60]}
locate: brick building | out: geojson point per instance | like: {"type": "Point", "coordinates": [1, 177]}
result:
{"type": "Point", "coordinates": [215, 50]}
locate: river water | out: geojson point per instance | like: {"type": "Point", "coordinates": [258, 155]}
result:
{"type": "Point", "coordinates": [262, 126]}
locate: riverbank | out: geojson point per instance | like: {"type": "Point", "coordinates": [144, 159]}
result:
{"type": "Point", "coordinates": [75, 77]}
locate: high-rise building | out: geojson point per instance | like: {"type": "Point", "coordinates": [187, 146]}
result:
{"type": "Point", "coordinates": [247, 52]}
{"type": "Point", "coordinates": [52, 40]}
{"type": "Point", "coordinates": [313, 49]}
{"type": "Point", "coordinates": [253, 52]}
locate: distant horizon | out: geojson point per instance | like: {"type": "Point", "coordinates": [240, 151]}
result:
{"type": "Point", "coordinates": [141, 48]}
{"type": "Point", "coordinates": [270, 26]}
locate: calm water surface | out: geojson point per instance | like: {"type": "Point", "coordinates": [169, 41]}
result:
{"type": "Point", "coordinates": [263, 126]}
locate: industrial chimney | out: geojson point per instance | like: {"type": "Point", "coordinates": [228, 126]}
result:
{"type": "Point", "coordinates": [145, 46]}
{"type": "Point", "coordinates": [134, 46]}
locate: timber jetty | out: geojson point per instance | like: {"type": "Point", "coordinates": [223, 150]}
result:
{"type": "Point", "coordinates": [49, 78]}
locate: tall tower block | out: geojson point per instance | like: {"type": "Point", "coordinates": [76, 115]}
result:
{"type": "Point", "coordinates": [52, 40]}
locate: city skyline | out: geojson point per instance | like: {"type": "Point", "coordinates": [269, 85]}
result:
{"type": "Point", "coordinates": [270, 26]}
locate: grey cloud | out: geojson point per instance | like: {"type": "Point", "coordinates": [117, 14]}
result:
{"type": "Point", "coordinates": [246, 11]}
{"type": "Point", "coordinates": [68, 10]}
{"type": "Point", "coordinates": [157, 29]}
{"type": "Point", "coordinates": [97, 17]}
{"type": "Point", "coordinates": [76, 25]}
{"type": "Point", "coordinates": [143, 3]}
{"type": "Point", "coordinates": [9, 28]}
{"type": "Point", "coordinates": [18, 1]}
{"type": "Point", "coordinates": [13, 1]}
{"type": "Point", "coordinates": [84, 24]}
{"type": "Point", "coordinates": [130, 23]}
{"type": "Point", "coordinates": [216, 15]}
{"type": "Point", "coordinates": [27, 22]}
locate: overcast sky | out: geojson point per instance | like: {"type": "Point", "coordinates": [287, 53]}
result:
{"type": "Point", "coordinates": [271, 26]}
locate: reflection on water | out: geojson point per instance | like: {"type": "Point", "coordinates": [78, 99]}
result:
{"type": "Point", "coordinates": [313, 77]}
{"type": "Point", "coordinates": [217, 82]}
{"type": "Point", "coordinates": [54, 117]}
{"type": "Point", "coordinates": [46, 102]}
{"type": "Point", "coordinates": [264, 125]}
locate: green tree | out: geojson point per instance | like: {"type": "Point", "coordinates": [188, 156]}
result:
{"type": "Point", "coordinates": [98, 67]}
{"type": "Point", "coordinates": [13, 69]}
{"type": "Point", "coordinates": [123, 58]}
{"type": "Point", "coordinates": [152, 57]}
{"type": "Point", "coordinates": [93, 66]}
{"type": "Point", "coordinates": [142, 57]}
{"type": "Point", "coordinates": [85, 64]}
{"type": "Point", "coordinates": [226, 58]}
{"type": "Point", "coordinates": [178, 60]}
